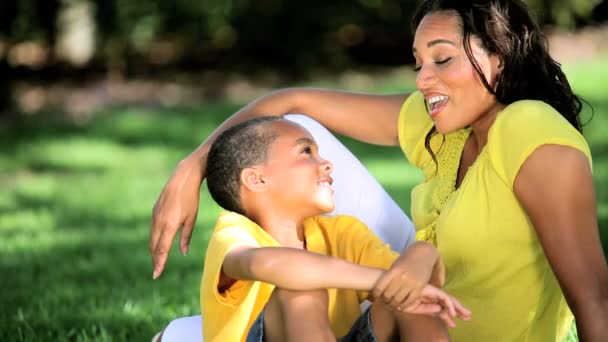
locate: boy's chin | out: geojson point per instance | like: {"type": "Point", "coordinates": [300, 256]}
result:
{"type": "Point", "coordinates": [325, 208]}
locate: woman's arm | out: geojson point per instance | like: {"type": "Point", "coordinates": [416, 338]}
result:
{"type": "Point", "coordinates": [555, 187]}
{"type": "Point", "coordinates": [369, 118]}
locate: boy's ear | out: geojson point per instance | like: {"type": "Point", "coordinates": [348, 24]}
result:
{"type": "Point", "coordinates": [252, 179]}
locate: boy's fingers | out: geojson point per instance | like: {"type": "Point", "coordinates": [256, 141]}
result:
{"type": "Point", "coordinates": [447, 319]}
{"type": "Point", "coordinates": [461, 310]}
{"type": "Point", "coordinates": [442, 297]}
{"type": "Point", "coordinates": [422, 308]}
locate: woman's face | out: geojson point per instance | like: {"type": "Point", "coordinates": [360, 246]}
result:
{"type": "Point", "coordinates": [454, 94]}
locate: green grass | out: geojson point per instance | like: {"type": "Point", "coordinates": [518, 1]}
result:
{"type": "Point", "coordinates": [76, 201]}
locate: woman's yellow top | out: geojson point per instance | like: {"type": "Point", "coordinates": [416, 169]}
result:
{"type": "Point", "coordinates": [494, 260]}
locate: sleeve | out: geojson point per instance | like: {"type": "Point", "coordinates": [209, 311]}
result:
{"type": "Point", "coordinates": [358, 244]}
{"type": "Point", "coordinates": [523, 127]}
{"type": "Point", "coordinates": [220, 244]}
{"type": "Point", "coordinates": [413, 125]}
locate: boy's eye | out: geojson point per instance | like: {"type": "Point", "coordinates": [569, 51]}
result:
{"type": "Point", "coordinates": [307, 150]}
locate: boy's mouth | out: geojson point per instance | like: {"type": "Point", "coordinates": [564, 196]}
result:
{"type": "Point", "coordinates": [326, 183]}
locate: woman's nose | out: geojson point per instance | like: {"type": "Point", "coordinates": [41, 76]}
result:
{"type": "Point", "coordinates": [425, 78]}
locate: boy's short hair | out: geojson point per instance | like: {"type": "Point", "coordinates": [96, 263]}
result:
{"type": "Point", "coordinates": [237, 148]}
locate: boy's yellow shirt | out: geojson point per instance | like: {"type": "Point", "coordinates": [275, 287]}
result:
{"type": "Point", "coordinates": [228, 316]}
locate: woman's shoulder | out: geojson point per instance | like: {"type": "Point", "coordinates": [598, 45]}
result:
{"type": "Point", "coordinates": [523, 126]}
{"type": "Point", "coordinates": [413, 125]}
{"type": "Point", "coordinates": [535, 114]}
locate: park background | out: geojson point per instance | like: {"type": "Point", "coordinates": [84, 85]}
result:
{"type": "Point", "coordinates": [100, 99]}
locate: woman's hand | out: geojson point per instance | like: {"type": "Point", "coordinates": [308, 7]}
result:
{"type": "Point", "coordinates": [177, 206]}
{"type": "Point", "coordinates": [403, 283]}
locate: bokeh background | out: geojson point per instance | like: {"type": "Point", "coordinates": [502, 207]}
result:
{"type": "Point", "coordinates": [100, 99]}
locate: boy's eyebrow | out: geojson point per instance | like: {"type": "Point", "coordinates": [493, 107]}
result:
{"type": "Point", "coordinates": [305, 141]}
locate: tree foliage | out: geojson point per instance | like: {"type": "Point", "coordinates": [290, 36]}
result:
{"type": "Point", "coordinates": [184, 33]}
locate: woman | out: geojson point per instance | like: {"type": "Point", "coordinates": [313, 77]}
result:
{"type": "Point", "coordinates": [508, 193]}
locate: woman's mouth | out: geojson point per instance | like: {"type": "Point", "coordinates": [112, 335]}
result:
{"type": "Point", "coordinates": [436, 104]}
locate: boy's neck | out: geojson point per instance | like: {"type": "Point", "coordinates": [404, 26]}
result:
{"type": "Point", "coordinates": [287, 230]}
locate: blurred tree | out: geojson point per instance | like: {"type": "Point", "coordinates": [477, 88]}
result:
{"type": "Point", "coordinates": [131, 36]}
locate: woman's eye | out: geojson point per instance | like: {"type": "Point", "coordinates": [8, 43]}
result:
{"type": "Point", "coordinates": [440, 62]}
{"type": "Point", "coordinates": [443, 61]}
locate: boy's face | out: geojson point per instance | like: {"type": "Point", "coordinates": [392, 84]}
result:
{"type": "Point", "coordinates": [298, 178]}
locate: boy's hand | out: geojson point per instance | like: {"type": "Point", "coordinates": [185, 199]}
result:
{"type": "Point", "coordinates": [402, 284]}
{"type": "Point", "coordinates": [436, 302]}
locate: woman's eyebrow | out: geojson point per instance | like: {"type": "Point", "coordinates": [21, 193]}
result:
{"type": "Point", "coordinates": [437, 41]}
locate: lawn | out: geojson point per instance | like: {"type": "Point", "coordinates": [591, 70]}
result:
{"type": "Point", "coordinates": [77, 198]}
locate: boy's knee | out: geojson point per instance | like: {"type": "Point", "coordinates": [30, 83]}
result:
{"type": "Point", "coordinates": [291, 298]}
{"type": "Point", "coordinates": [421, 328]}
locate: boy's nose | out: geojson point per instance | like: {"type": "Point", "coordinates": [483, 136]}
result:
{"type": "Point", "coordinates": [327, 165]}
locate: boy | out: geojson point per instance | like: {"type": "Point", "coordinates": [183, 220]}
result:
{"type": "Point", "coordinates": [277, 271]}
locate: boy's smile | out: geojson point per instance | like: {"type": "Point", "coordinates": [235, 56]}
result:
{"type": "Point", "coordinates": [298, 178]}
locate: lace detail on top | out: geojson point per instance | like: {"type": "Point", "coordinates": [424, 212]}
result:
{"type": "Point", "coordinates": [448, 160]}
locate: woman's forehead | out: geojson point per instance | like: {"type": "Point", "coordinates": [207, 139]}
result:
{"type": "Point", "coordinates": [439, 25]}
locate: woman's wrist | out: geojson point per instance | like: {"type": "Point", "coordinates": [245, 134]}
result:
{"type": "Point", "coordinates": [192, 167]}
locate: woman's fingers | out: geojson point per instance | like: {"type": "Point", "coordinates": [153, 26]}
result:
{"type": "Point", "coordinates": [161, 252]}
{"type": "Point", "coordinates": [186, 233]}
{"type": "Point", "coordinates": [413, 296]}
{"type": "Point", "coordinates": [402, 294]}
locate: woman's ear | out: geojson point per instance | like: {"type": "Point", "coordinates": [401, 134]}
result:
{"type": "Point", "coordinates": [497, 63]}
{"type": "Point", "coordinates": [497, 66]}
{"type": "Point", "coordinates": [252, 179]}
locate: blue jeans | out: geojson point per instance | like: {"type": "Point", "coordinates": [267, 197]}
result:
{"type": "Point", "coordinates": [361, 331]}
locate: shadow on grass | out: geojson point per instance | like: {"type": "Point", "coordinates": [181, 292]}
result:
{"type": "Point", "coordinates": [96, 285]}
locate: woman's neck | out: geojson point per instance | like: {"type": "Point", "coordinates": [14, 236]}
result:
{"type": "Point", "coordinates": [481, 128]}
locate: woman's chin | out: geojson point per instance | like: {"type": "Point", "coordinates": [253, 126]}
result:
{"type": "Point", "coordinates": [445, 128]}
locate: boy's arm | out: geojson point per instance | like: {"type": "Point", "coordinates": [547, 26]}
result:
{"type": "Point", "coordinates": [296, 269]}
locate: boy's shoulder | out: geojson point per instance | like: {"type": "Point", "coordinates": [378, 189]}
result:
{"type": "Point", "coordinates": [233, 227]}
{"type": "Point", "coordinates": [339, 224]}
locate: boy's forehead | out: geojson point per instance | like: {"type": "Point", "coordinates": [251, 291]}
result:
{"type": "Point", "coordinates": [288, 129]}
{"type": "Point", "coordinates": [289, 133]}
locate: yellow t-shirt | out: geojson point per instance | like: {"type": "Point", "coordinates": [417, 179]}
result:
{"type": "Point", "coordinates": [228, 316]}
{"type": "Point", "coordinates": [494, 261]}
